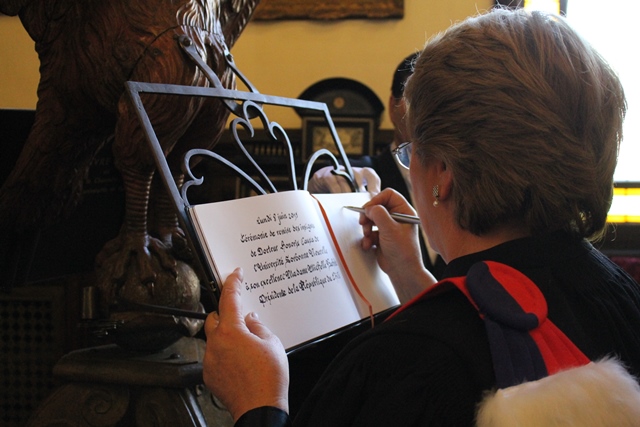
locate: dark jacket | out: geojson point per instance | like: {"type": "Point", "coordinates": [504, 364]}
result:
{"type": "Point", "coordinates": [431, 364]}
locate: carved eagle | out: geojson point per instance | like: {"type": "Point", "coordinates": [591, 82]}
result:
{"type": "Point", "coordinates": [87, 51]}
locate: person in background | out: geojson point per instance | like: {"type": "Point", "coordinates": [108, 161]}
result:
{"type": "Point", "coordinates": [514, 124]}
{"type": "Point", "coordinates": [383, 170]}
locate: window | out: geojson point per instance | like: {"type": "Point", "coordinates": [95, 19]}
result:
{"type": "Point", "coordinates": [612, 30]}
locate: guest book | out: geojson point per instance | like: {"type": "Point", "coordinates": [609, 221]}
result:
{"type": "Point", "coordinates": [305, 273]}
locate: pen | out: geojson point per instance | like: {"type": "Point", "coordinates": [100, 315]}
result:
{"type": "Point", "coordinates": [409, 219]}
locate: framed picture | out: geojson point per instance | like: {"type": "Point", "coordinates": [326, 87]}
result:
{"type": "Point", "coordinates": [355, 134]}
{"type": "Point", "coordinates": [329, 9]}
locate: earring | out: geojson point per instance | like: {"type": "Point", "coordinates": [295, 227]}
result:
{"type": "Point", "coordinates": [436, 195]}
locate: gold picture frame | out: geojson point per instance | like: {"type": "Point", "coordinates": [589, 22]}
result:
{"type": "Point", "coordinates": [356, 136]}
{"type": "Point", "coordinates": [329, 9]}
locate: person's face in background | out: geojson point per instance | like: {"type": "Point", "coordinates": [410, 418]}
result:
{"type": "Point", "coordinates": [397, 109]}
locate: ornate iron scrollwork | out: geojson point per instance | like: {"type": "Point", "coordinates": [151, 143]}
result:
{"type": "Point", "coordinates": [245, 107]}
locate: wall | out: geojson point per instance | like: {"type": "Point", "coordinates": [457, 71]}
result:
{"type": "Point", "coordinates": [19, 64]}
{"type": "Point", "coordinates": [281, 57]}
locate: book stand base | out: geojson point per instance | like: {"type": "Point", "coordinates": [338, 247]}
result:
{"type": "Point", "coordinates": [108, 386]}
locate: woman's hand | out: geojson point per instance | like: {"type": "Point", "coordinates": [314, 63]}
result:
{"type": "Point", "coordinates": [245, 365]}
{"type": "Point", "coordinates": [324, 181]}
{"type": "Point", "coordinates": [396, 244]}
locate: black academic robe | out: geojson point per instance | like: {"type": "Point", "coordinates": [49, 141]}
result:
{"type": "Point", "coordinates": [431, 364]}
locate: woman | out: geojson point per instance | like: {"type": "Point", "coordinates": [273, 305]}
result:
{"type": "Point", "coordinates": [515, 124]}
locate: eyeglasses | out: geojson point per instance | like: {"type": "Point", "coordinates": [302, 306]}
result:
{"type": "Point", "coordinates": [403, 154]}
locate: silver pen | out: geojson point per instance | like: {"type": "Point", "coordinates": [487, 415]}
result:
{"type": "Point", "coordinates": [409, 219]}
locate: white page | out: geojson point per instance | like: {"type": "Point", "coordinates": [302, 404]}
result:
{"type": "Point", "coordinates": [370, 279]}
{"type": "Point", "coordinates": [258, 234]}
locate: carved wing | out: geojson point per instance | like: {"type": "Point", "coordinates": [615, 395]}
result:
{"type": "Point", "coordinates": [234, 16]}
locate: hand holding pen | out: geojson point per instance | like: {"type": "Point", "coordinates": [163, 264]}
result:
{"type": "Point", "coordinates": [396, 246]}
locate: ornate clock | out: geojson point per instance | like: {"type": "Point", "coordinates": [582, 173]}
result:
{"type": "Point", "coordinates": [355, 110]}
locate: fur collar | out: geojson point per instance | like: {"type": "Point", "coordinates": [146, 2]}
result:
{"type": "Point", "coordinates": [598, 394]}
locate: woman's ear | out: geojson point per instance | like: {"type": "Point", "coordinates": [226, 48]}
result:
{"type": "Point", "coordinates": [445, 180]}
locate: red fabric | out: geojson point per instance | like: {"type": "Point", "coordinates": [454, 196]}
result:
{"type": "Point", "coordinates": [556, 349]}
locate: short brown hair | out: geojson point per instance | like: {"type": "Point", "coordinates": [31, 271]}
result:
{"type": "Point", "coordinates": [527, 115]}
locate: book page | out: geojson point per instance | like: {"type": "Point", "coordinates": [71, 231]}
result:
{"type": "Point", "coordinates": [292, 276]}
{"type": "Point", "coordinates": [370, 279]}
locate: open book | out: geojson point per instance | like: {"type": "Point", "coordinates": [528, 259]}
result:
{"type": "Point", "coordinates": [294, 277]}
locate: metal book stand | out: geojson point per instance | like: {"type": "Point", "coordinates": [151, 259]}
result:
{"type": "Point", "coordinates": [246, 111]}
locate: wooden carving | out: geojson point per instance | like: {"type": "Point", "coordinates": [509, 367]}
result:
{"type": "Point", "coordinates": [87, 51]}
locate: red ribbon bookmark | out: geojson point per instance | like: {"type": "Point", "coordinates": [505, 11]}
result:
{"type": "Point", "coordinates": [344, 262]}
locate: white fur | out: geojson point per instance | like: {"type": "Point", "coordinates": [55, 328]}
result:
{"type": "Point", "coordinates": [598, 394]}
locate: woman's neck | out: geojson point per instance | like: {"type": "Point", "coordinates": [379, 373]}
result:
{"type": "Point", "coordinates": [465, 242]}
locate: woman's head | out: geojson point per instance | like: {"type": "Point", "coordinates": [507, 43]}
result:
{"type": "Point", "coordinates": [527, 116]}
